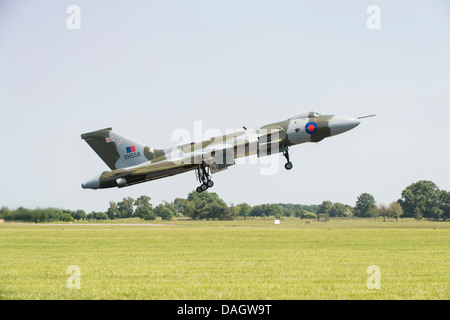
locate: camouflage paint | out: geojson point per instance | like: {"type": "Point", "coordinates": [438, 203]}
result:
{"type": "Point", "coordinates": [132, 163]}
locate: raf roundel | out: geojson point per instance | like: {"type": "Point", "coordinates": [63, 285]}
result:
{"type": "Point", "coordinates": [311, 127]}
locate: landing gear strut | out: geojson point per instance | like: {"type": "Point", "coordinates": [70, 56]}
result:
{"type": "Point", "coordinates": [204, 178]}
{"type": "Point", "coordinates": [288, 165]}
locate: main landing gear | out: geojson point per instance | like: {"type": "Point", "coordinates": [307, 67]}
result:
{"type": "Point", "coordinates": [288, 165]}
{"type": "Point", "coordinates": [204, 177]}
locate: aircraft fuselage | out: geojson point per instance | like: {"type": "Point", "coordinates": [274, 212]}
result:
{"type": "Point", "coordinates": [132, 163]}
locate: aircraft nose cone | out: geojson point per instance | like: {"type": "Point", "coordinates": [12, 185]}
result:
{"type": "Point", "coordinates": [352, 123]}
{"type": "Point", "coordinates": [93, 183]}
{"type": "Point", "coordinates": [340, 124]}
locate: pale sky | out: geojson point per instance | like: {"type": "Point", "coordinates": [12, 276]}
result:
{"type": "Point", "coordinates": [148, 68]}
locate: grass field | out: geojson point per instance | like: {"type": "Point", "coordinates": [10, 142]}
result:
{"type": "Point", "coordinates": [244, 259]}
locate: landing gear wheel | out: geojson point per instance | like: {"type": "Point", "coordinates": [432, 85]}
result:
{"type": "Point", "coordinates": [204, 178]}
{"type": "Point", "coordinates": [288, 164]}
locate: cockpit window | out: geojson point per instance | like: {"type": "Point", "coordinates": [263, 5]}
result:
{"type": "Point", "coordinates": [306, 115]}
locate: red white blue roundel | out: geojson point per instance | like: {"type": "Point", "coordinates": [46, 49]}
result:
{"type": "Point", "coordinates": [311, 127]}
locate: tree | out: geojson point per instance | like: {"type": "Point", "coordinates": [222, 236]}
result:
{"type": "Point", "coordinates": [56, 216]}
{"type": "Point", "coordinates": [189, 209]}
{"type": "Point", "coordinates": [309, 215]}
{"type": "Point", "coordinates": [142, 201]}
{"type": "Point", "coordinates": [257, 211]}
{"type": "Point", "coordinates": [382, 211]}
{"type": "Point", "coordinates": [338, 210]}
{"type": "Point", "coordinates": [22, 214]}
{"type": "Point", "coordinates": [101, 216]}
{"type": "Point", "coordinates": [395, 210]}
{"type": "Point", "coordinates": [234, 212]}
{"type": "Point", "coordinates": [424, 195]}
{"type": "Point", "coordinates": [163, 211]}
{"type": "Point", "coordinates": [125, 207]}
{"type": "Point", "coordinates": [97, 215]}
{"type": "Point", "coordinates": [289, 212]}
{"type": "Point", "coordinates": [113, 211]}
{"type": "Point", "coordinates": [202, 210]}
{"type": "Point", "coordinates": [67, 211]}
{"type": "Point", "coordinates": [436, 213]}
{"type": "Point", "coordinates": [179, 206]}
{"type": "Point", "coordinates": [418, 214]}
{"type": "Point", "coordinates": [244, 210]}
{"type": "Point", "coordinates": [444, 200]}
{"type": "Point", "coordinates": [67, 217]}
{"type": "Point", "coordinates": [146, 213]}
{"type": "Point", "coordinates": [5, 213]}
{"type": "Point", "coordinates": [144, 209]}
{"type": "Point", "coordinates": [207, 205]}
{"type": "Point", "coordinates": [79, 214]}
{"type": "Point", "coordinates": [39, 215]}
{"type": "Point", "coordinates": [221, 212]}
{"type": "Point", "coordinates": [300, 212]}
{"type": "Point", "coordinates": [325, 207]}
{"type": "Point", "coordinates": [365, 206]}
{"type": "Point", "coordinates": [274, 210]}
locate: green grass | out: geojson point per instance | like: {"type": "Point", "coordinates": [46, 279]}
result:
{"type": "Point", "coordinates": [243, 259]}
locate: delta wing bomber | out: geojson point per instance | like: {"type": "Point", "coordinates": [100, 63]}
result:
{"type": "Point", "coordinates": [132, 163]}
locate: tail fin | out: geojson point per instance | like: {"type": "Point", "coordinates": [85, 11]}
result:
{"type": "Point", "coordinates": [117, 151]}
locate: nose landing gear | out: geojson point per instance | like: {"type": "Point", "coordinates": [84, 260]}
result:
{"type": "Point", "coordinates": [288, 165]}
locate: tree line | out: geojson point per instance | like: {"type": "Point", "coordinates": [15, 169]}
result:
{"type": "Point", "coordinates": [419, 200]}
{"type": "Point", "coordinates": [422, 199]}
